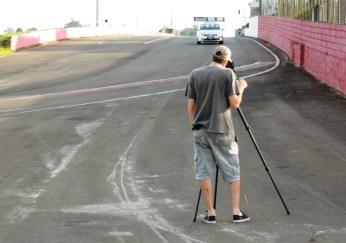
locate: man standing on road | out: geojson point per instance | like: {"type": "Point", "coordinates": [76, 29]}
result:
{"type": "Point", "coordinates": [212, 91]}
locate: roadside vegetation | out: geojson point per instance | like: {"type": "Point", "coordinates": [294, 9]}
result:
{"type": "Point", "coordinates": [5, 43]}
{"type": "Point", "coordinates": [166, 30]}
{"type": "Point", "coordinates": [5, 51]}
{"type": "Point", "coordinates": [73, 23]}
{"type": "Point", "coordinates": [5, 39]}
{"type": "Point", "coordinates": [188, 32]}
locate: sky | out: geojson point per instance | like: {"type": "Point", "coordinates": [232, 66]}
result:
{"type": "Point", "coordinates": [139, 14]}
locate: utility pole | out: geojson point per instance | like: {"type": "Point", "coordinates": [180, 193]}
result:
{"type": "Point", "coordinates": [171, 18]}
{"type": "Point", "coordinates": [97, 13]}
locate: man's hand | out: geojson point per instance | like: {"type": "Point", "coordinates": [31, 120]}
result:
{"type": "Point", "coordinates": [242, 84]}
{"type": "Point", "coordinates": [235, 100]}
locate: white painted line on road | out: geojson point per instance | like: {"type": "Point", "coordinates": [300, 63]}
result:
{"type": "Point", "coordinates": [102, 88]}
{"type": "Point", "coordinates": [88, 103]}
{"type": "Point", "coordinates": [249, 65]}
{"type": "Point", "coordinates": [277, 63]}
{"type": "Point", "coordinates": [253, 66]}
{"type": "Point", "coordinates": [148, 42]}
{"type": "Point", "coordinates": [277, 60]}
{"type": "Point", "coordinates": [97, 89]}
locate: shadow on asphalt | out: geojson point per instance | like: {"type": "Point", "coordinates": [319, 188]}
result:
{"type": "Point", "coordinates": [314, 100]}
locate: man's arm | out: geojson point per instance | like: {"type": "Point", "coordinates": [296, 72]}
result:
{"type": "Point", "coordinates": [235, 100]}
{"type": "Point", "coordinates": [191, 108]}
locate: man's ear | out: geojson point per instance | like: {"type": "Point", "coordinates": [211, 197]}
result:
{"type": "Point", "coordinates": [224, 62]}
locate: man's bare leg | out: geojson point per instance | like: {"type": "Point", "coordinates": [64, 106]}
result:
{"type": "Point", "coordinates": [207, 193]}
{"type": "Point", "coordinates": [234, 192]}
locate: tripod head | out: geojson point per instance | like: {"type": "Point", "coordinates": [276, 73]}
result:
{"type": "Point", "coordinates": [230, 64]}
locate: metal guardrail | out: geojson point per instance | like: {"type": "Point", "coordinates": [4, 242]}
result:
{"type": "Point", "coordinates": [331, 11]}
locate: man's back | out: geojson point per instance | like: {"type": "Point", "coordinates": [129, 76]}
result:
{"type": "Point", "coordinates": [210, 87]}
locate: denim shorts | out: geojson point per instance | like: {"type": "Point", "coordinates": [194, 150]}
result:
{"type": "Point", "coordinates": [216, 148]}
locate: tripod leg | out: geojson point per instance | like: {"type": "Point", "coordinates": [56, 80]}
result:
{"type": "Point", "coordinates": [199, 198]}
{"type": "Point", "coordinates": [247, 127]}
{"type": "Point", "coordinates": [215, 189]}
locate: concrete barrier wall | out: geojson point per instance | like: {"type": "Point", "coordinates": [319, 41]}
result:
{"type": "Point", "coordinates": [47, 36]}
{"type": "Point", "coordinates": [53, 35]}
{"type": "Point", "coordinates": [24, 40]}
{"type": "Point", "coordinates": [61, 34]}
{"type": "Point", "coordinates": [318, 47]}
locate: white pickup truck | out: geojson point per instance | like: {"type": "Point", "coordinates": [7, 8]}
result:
{"type": "Point", "coordinates": [209, 32]}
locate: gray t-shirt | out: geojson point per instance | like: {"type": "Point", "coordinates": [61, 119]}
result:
{"type": "Point", "coordinates": [210, 87]}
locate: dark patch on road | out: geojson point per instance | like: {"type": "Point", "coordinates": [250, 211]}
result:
{"type": "Point", "coordinates": [315, 101]}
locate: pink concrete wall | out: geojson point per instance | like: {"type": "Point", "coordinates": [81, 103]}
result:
{"type": "Point", "coordinates": [53, 35]}
{"type": "Point", "coordinates": [21, 41]}
{"type": "Point", "coordinates": [61, 34]}
{"type": "Point", "coordinates": [318, 47]}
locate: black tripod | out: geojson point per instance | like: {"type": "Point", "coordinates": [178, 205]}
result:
{"type": "Point", "coordinates": [200, 192]}
{"type": "Point", "coordinates": [247, 127]}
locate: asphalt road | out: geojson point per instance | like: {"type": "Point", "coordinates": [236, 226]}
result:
{"type": "Point", "coordinates": [96, 147]}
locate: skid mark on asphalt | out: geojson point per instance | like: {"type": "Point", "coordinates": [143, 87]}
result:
{"type": "Point", "coordinates": [335, 152]}
{"type": "Point", "coordinates": [312, 191]}
{"type": "Point", "coordinates": [28, 198]}
{"type": "Point", "coordinates": [252, 236]}
{"type": "Point", "coordinates": [127, 190]}
{"type": "Point", "coordinates": [120, 235]}
{"type": "Point", "coordinates": [67, 153]}
{"type": "Point", "coordinates": [324, 232]}
{"type": "Point", "coordinates": [118, 185]}
{"type": "Point", "coordinates": [151, 217]}
{"type": "Point", "coordinates": [305, 232]}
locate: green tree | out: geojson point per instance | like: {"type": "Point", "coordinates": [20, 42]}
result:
{"type": "Point", "coordinates": [32, 29]}
{"type": "Point", "coordinates": [73, 23]}
{"type": "Point", "coordinates": [18, 30]}
{"type": "Point", "coordinates": [188, 32]}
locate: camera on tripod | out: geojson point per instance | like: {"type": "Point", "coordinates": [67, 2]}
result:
{"type": "Point", "coordinates": [230, 64]}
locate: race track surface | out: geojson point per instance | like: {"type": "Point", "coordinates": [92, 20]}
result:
{"type": "Point", "coordinates": [96, 146]}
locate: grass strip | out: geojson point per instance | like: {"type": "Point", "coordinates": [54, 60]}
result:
{"type": "Point", "coordinates": [5, 51]}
